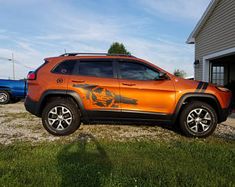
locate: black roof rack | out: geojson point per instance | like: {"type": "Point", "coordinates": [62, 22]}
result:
{"type": "Point", "coordinates": [95, 54]}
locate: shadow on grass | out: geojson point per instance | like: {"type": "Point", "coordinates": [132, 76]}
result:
{"type": "Point", "coordinates": [84, 163]}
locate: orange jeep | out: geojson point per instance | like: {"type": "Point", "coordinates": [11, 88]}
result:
{"type": "Point", "coordinates": [82, 87]}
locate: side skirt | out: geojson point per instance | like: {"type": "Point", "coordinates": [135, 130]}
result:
{"type": "Point", "coordinates": [127, 116]}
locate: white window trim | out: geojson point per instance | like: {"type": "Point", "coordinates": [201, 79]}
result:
{"type": "Point", "coordinates": [206, 59]}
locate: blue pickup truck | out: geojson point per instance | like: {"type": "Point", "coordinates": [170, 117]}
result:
{"type": "Point", "coordinates": [12, 90]}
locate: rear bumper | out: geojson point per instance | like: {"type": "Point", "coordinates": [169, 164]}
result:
{"type": "Point", "coordinates": [32, 106]}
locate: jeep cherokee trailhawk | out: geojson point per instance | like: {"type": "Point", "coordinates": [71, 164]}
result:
{"type": "Point", "coordinates": [81, 87]}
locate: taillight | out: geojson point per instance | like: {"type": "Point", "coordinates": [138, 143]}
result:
{"type": "Point", "coordinates": [31, 76]}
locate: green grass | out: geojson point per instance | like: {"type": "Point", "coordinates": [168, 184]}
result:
{"type": "Point", "coordinates": [87, 162]}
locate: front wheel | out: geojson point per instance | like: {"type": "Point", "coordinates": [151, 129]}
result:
{"type": "Point", "coordinates": [198, 119]}
{"type": "Point", "coordinates": [61, 117]}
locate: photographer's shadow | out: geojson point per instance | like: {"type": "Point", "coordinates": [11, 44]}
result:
{"type": "Point", "coordinates": [83, 162]}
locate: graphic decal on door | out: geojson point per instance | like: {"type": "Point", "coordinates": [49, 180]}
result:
{"type": "Point", "coordinates": [103, 97]}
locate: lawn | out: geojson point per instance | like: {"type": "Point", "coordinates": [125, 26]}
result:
{"type": "Point", "coordinates": [92, 162]}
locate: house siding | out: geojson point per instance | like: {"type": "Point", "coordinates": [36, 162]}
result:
{"type": "Point", "coordinates": [217, 34]}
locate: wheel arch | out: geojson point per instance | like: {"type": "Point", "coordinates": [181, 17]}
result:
{"type": "Point", "coordinates": [189, 97]}
{"type": "Point", "coordinates": [6, 89]}
{"type": "Point", "coordinates": [54, 94]}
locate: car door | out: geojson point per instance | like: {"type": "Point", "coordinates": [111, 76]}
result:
{"type": "Point", "coordinates": [97, 85]}
{"type": "Point", "coordinates": [142, 90]}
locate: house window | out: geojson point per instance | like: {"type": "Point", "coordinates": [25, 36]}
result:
{"type": "Point", "coordinates": [217, 75]}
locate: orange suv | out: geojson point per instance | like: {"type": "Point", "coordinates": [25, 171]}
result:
{"type": "Point", "coordinates": [82, 87]}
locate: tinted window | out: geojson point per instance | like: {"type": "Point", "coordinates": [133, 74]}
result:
{"type": "Point", "coordinates": [96, 68]}
{"type": "Point", "coordinates": [136, 71]}
{"type": "Point", "coordinates": [65, 67]}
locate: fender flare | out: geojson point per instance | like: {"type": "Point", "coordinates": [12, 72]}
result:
{"type": "Point", "coordinates": [69, 93]}
{"type": "Point", "coordinates": [196, 95]}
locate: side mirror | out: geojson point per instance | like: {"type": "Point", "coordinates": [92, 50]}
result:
{"type": "Point", "coordinates": [163, 76]}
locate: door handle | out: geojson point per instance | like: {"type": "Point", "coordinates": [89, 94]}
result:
{"type": "Point", "coordinates": [78, 81]}
{"type": "Point", "coordinates": [128, 84]}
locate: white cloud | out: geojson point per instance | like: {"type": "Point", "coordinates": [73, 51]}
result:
{"type": "Point", "coordinates": [165, 54]}
{"type": "Point", "coordinates": [74, 30]}
{"type": "Point", "coordinates": [176, 9]}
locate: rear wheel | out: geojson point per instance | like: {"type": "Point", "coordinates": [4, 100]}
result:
{"type": "Point", "coordinates": [4, 97]}
{"type": "Point", "coordinates": [198, 119]}
{"type": "Point", "coordinates": [61, 117]}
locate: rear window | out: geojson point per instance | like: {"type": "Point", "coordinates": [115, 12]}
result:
{"type": "Point", "coordinates": [65, 67]}
{"type": "Point", "coordinates": [96, 68]}
{"type": "Point", "coordinates": [45, 62]}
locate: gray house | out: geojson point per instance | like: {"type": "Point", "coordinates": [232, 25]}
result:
{"type": "Point", "coordinates": [214, 39]}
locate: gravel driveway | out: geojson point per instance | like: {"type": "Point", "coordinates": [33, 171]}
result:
{"type": "Point", "coordinates": [16, 124]}
{"type": "Point", "coordinates": [231, 120]}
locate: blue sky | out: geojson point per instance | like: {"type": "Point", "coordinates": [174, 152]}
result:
{"type": "Point", "coordinates": [155, 30]}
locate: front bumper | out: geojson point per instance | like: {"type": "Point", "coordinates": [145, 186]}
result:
{"type": "Point", "coordinates": [225, 113]}
{"type": "Point", "coordinates": [32, 106]}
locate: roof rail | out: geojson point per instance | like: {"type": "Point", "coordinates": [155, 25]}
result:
{"type": "Point", "coordinates": [95, 54]}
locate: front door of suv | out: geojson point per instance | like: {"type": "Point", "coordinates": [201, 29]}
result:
{"type": "Point", "coordinates": [143, 93]}
{"type": "Point", "coordinates": [97, 85]}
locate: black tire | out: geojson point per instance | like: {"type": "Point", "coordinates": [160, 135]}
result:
{"type": "Point", "coordinates": [193, 124]}
{"type": "Point", "coordinates": [53, 127]}
{"type": "Point", "coordinates": [4, 97]}
{"type": "Point", "coordinates": [15, 100]}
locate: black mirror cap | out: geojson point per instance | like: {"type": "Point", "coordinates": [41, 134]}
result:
{"type": "Point", "coordinates": [163, 76]}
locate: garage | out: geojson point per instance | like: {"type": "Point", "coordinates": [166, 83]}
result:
{"type": "Point", "coordinates": [214, 41]}
{"type": "Point", "coordinates": [222, 72]}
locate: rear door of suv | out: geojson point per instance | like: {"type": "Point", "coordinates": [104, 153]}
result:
{"type": "Point", "coordinates": [143, 93]}
{"type": "Point", "coordinates": [95, 80]}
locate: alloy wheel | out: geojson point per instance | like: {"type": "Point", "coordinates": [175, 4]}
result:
{"type": "Point", "coordinates": [3, 97]}
{"type": "Point", "coordinates": [60, 117]}
{"type": "Point", "coordinates": [199, 120]}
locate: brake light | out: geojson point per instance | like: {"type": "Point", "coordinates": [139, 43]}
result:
{"type": "Point", "coordinates": [31, 76]}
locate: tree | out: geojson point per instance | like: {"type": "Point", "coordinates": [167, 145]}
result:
{"type": "Point", "coordinates": [118, 48]}
{"type": "Point", "coordinates": [180, 73]}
